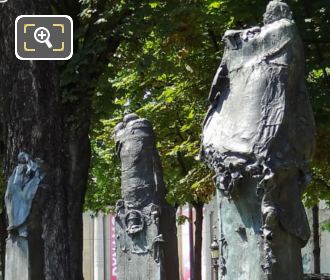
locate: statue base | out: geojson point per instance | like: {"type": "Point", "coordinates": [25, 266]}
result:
{"type": "Point", "coordinates": [245, 253]}
{"type": "Point", "coordinates": [17, 259]}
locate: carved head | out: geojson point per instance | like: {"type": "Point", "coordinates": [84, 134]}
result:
{"type": "Point", "coordinates": [23, 158]}
{"type": "Point", "coordinates": [277, 10]}
{"type": "Point", "coordinates": [130, 117]}
{"type": "Point", "coordinates": [134, 222]}
{"type": "Point", "coordinates": [120, 206]}
{"type": "Point", "coordinates": [131, 125]}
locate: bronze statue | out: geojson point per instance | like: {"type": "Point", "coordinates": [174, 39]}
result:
{"type": "Point", "coordinates": [21, 190]}
{"type": "Point", "coordinates": [145, 223]}
{"type": "Point", "coordinates": [258, 137]}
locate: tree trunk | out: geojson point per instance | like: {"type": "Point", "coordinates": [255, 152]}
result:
{"type": "Point", "coordinates": [3, 236]}
{"type": "Point", "coordinates": [198, 241]}
{"type": "Point", "coordinates": [77, 160]}
{"type": "Point", "coordinates": [316, 239]}
{"type": "Point", "coordinates": [35, 120]}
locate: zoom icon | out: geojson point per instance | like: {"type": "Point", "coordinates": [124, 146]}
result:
{"type": "Point", "coordinates": [43, 37]}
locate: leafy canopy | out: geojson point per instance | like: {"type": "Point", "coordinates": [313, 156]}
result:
{"type": "Point", "coordinates": [167, 55]}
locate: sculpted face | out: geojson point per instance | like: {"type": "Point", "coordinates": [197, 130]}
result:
{"type": "Point", "coordinates": [23, 157]}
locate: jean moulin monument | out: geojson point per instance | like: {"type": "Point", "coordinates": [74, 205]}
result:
{"type": "Point", "coordinates": [145, 223]}
{"type": "Point", "coordinates": [258, 137]}
{"type": "Point", "coordinates": [21, 190]}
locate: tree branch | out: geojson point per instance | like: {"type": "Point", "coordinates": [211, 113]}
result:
{"type": "Point", "coordinates": [213, 39]}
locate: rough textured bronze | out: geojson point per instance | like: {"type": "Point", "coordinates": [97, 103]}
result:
{"type": "Point", "coordinates": [258, 137]}
{"type": "Point", "coordinates": [145, 223]}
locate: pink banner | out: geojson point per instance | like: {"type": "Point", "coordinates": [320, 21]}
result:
{"type": "Point", "coordinates": [185, 247]}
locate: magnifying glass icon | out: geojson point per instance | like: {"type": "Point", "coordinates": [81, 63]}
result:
{"type": "Point", "coordinates": [42, 35]}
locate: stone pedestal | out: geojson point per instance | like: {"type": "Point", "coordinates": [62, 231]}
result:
{"type": "Point", "coordinates": [241, 238]}
{"type": "Point", "coordinates": [239, 233]}
{"type": "Point", "coordinates": [17, 259]}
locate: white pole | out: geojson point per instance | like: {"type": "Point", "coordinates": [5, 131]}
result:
{"type": "Point", "coordinates": [98, 248]}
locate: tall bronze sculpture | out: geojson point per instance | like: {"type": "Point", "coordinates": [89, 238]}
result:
{"type": "Point", "coordinates": [258, 137]}
{"type": "Point", "coordinates": [145, 223]}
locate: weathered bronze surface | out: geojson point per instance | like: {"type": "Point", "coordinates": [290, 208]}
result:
{"type": "Point", "coordinates": [145, 223]}
{"type": "Point", "coordinates": [21, 190]}
{"type": "Point", "coordinates": [258, 137]}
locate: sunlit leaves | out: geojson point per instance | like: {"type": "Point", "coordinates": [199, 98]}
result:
{"type": "Point", "coordinates": [162, 70]}
{"type": "Point", "coordinates": [215, 5]}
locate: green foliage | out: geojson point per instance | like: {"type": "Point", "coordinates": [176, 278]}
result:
{"type": "Point", "coordinates": [182, 219]}
{"type": "Point", "coordinates": [167, 55]}
{"type": "Point", "coordinates": [325, 227]}
{"type": "Point", "coordinates": [319, 188]}
{"type": "Point", "coordinates": [104, 186]}
{"type": "Point", "coordinates": [162, 76]}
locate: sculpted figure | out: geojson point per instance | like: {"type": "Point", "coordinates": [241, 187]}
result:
{"type": "Point", "coordinates": [145, 223]}
{"type": "Point", "coordinates": [21, 190]}
{"type": "Point", "coordinates": [258, 137]}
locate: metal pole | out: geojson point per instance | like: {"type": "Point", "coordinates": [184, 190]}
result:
{"type": "Point", "coordinates": [212, 270]}
{"type": "Point", "coordinates": [215, 270]}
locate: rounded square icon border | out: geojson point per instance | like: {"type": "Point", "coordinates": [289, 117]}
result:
{"type": "Point", "coordinates": [38, 16]}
